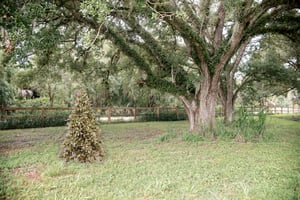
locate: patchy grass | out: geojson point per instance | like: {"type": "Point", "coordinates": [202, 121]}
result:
{"type": "Point", "coordinates": [154, 160]}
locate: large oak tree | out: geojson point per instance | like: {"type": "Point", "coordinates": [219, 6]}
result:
{"type": "Point", "coordinates": [182, 46]}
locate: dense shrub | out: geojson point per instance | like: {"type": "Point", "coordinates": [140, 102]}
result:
{"type": "Point", "coordinates": [165, 115]}
{"type": "Point", "coordinates": [6, 94]}
{"type": "Point", "coordinates": [246, 127]}
{"type": "Point", "coordinates": [82, 142]}
{"type": "Point", "coordinates": [36, 103]}
{"type": "Point", "coordinates": [32, 119]}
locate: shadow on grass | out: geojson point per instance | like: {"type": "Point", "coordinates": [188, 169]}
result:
{"type": "Point", "coordinates": [295, 117]}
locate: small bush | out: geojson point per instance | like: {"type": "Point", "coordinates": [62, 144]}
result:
{"type": "Point", "coordinates": [18, 120]}
{"type": "Point", "coordinates": [261, 122]}
{"type": "Point", "coordinates": [248, 126]}
{"type": "Point", "coordinates": [82, 142]}
{"type": "Point", "coordinates": [36, 103]}
{"type": "Point", "coordinates": [164, 116]}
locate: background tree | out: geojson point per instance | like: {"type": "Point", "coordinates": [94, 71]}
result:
{"type": "Point", "coordinates": [83, 142]}
{"type": "Point", "coordinates": [269, 68]}
{"type": "Point", "coordinates": [7, 92]}
{"type": "Point", "coordinates": [267, 76]}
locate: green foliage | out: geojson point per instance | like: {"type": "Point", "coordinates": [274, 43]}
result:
{"type": "Point", "coordinates": [167, 136]}
{"type": "Point", "coordinates": [164, 116]}
{"type": "Point", "coordinates": [33, 121]}
{"type": "Point", "coordinates": [36, 103]}
{"type": "Point", "coordinates": [192, 137]}
{"type": "Point", "coordinates": [6, 94]}
{"type": "Point", "coordinates": [82, 142]}
{"type": "Point", "coordinates": [95, 8]}
{"type": "Point", "coordinates": [272, 70]}
{"type": "Point", "coordinates": [225, 132]}
{"type": "Point", "coordinates": [249, 127]}
{"type": "Point", "coordinates": [50, 29]}
{"type": "Point", "coordinates": [261, 122]}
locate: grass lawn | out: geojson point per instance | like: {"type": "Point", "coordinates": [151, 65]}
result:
{"type": "Point", "coordinates": [153, 161]}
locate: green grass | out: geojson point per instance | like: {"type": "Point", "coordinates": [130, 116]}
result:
{"type": "Point", "coordinates": [153, 160]}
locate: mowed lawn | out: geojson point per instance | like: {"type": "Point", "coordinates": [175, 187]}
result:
{"type": "Point", "coordinates": [153, 161]}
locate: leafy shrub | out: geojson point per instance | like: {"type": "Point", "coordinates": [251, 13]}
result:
{"type": "Point", "coordinates": [82, 142]}
{"type": "Point", "coordinates": [249, 126]}
{"type": "Point", "coordinates": [225, 131]}
{"type": "Point", "coordinates": [6, 93]}
{"type": "Point", "coordinates": [38, 102]}
{"type": "Point", "coordinates": [32, 119]}
{"type": "Point", "coordinates": [261, 122]}
{"type": "Point", "coordinates": [164, 116]}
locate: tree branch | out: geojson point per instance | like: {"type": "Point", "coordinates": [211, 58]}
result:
{"type": "Point", "coordinates": [220, 25]}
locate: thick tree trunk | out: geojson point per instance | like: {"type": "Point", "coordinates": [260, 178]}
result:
{"type": "Point", "coordinates": [229, 111]}
{"type": "Point", "coordinates": [228, 95]}
{"type": "Point", "coordinates": [207, 109]}
{"type": "Point", "coordinates": [191, 111]}
{"type": "Point", "coordinates": [201, 110]}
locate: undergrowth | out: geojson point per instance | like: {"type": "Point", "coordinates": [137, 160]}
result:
{"type": "Point", "coordinates": [246, 128]}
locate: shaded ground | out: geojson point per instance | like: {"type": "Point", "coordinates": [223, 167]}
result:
{"type": "Point", "coordinates": [26, 138]}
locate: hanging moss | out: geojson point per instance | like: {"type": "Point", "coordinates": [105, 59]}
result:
{"type": "Point", "coordinates": [152, 81]}
{"type": "Point", "coordinates": [82, 142]}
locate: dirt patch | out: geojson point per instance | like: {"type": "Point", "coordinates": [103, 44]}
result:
{"type": "Point", "coordinates": [31, 173]}
{"type": "Point", "coordinates": [19, 142]}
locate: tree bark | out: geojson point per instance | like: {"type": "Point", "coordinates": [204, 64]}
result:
{"type": "Point", "coordinates": [191, 111]}
{"type": "Point", "coordinates": [229, 95]}
{"type": "Point", "coordinates": [201, 109]}
{"type": "Point", "coordinates": [228, 118]}
{"type": "Point", "coordinates": [51, 94]}
{"type": "Point", "coordinates": [207, 101]}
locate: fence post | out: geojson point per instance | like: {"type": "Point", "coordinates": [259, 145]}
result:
{"type": "Point", "coordinates": [157, 112]}
{"type": "Point", "coordinates": [293, 108]}
{"type": "Point", "coordinates": [43, 116]}
{"type": "Point", "coordinates": [109, 114]}
{"type": "Point", "coordinates": [134, 113]}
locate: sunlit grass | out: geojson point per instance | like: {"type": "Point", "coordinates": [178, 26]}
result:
{"type": "Point", "coordinates": [153, 161]}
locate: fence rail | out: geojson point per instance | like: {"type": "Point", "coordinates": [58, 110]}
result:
{"type": "Point", "coordinates": [107, 113]}
{"type": "Point", "coordinates": [40, 117]}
